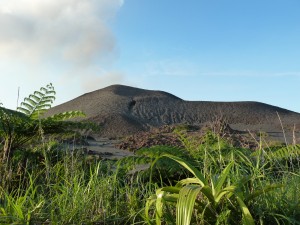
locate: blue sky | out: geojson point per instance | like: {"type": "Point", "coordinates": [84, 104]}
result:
{"type": "Point", "coordinates": [226, 50]}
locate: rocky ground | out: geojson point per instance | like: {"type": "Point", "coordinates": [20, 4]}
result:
{"type": "Point", "coordinates": [122, 111]}
{"type": "Point", "coordinates": [174, 136]}
{"type": "Point", "coordinates": [132, 118]}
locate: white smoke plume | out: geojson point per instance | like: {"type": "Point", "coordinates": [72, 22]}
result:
{"type": "Point", "coordinates": [72, 30]}
{"type": "Point", "coordinates": [58, 36]}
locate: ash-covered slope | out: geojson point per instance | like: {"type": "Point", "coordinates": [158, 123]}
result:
{"type": "Point", "coordinates": [123, 110]}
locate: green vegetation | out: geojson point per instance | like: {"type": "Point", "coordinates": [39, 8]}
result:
{"type": "Point", "coordinates": [209, 181]}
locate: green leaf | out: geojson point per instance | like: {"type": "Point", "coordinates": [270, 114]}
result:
{"type": "Point", "coordinates": [36, 104]}
{"type": "Point", "coordinates": [171, 189]}
{"type": "Point", "coordinates": [186, 202]}
{"type": "Point", "coordinates": [186, 181]}
{"type": "Point", "coordinates": [171, 198]}
{"type": "Point", "coordinates": [222, 179]}
{"type": "Point", "coordinates": [227, 190]}
{"type": "Point", "coordinates": [259, 192]}
{"type": "Point", "coordinates": [32, 102]}
{"type": "Point", "coordinates": [247, 217]}
{"type": "Point", "coordinates": [149, 203]}
{"type": "Point", "coordinates": [189, 167]}
{"type": "Point", "coordinates": [159, 206]}
{"type": "Point", "coordinates": [67, 115]}
{"type": "Point", "coordinates": [39, 94]}
{"type": "Point", "coordinates": [207, 191]}
{"type": "Point", "coordinates": [28, 106]}
{"type": "Point", "coordinates": [34, 97]}
{"type": "Point", "coordinates": [23, 110]}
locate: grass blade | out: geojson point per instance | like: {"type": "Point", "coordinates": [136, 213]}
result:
{"type": "Point", "coordinates": [186, 202]}
{"type": "Point", "coordinates": [247, 217]}
{"type": "Point", "coordinates": [222, 179]}
{"type": "Point", "coordinates": [189, 167]}
{"type": "Point", "coordinates": [262, 191]}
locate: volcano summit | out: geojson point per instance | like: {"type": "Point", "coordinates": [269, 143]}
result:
{"type": "Point", "coordinates": [123, 110]}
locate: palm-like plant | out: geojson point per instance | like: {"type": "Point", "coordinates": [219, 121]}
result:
{"type": "Point", "coordinates": [208, 197]}
{"type": "Point", "coordinates": [15, 129]}
{"type": "Point", "coordinates": [18, 128]}
{"type": "Point", "coordinates": [37, 103]}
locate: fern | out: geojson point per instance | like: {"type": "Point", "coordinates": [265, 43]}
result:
{"type": "Point", "coordinates": [287, 152]}
{"type": "Point", "coordinates": [162, 169]}
{"type": "Point", "coordinates": [17, 129]}
{"type": "Point", "coordinates": [66, 115]}
{"type": "Point", "coordinates": [37, 103]}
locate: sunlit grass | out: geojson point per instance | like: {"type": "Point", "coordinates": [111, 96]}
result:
{"type": "Point", "coordinates": [52, 185]}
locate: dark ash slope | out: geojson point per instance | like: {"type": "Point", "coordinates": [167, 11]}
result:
{"type": "Point", "coordinates": [123, 110]}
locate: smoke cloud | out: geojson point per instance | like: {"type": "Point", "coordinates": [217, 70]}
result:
{"type": "Point", "coordinates": [58, 36]}
{"type": "Point", "coordinates": [70, 30]}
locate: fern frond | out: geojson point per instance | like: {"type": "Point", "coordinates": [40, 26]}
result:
{"type": "Point", "coordinates": [23, 110]}
{"type": "Point", "coordinates": [134, 160]}
{"type": "Point", "coordinates": [39, 93]}
{"type": "Point", "coordinates": [49, 85]}
{"type": "Point", "coordinates": [43, 89]}
{"type": "Point", "coordinates": [46, 102]}
{"type": "Point", "coordinates": [35, 98]}
{"type": "Point", "coordinates": [51, 93]}
{"type": "Point", "coordinates": [31, 101]}
{"type": "Point", "coordinates": [286, 152]}
{"type": "Point", "coordinates": [36, 104]}
{"type": "Point", "coordinates": [36, 114]}
{"type": "Point", "coordinates": [28, 106]}
{"type": "Point", "coordinates": [67, 115]}
{"type": "Point", "coordinates": [43, 106]}
{"type": "Point", "coordinates": [51, 97]}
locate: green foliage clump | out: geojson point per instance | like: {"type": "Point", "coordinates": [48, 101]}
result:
{"type": "Point", "coordinates": [36, 104]}
{"type": "Point", "coordinates": [229, 186]}
{"type": "Point", "coordinates": [18, 129]}
{"type": "Point", "coordinates": [164, 171]}
{"type": "Point", "coordinates": [68, 189]}
{"type": "Point", "coordinates": [214, 197]}
{"type": "Point", "coordinates": [209, 181]}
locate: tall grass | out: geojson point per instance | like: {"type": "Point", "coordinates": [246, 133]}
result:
{"type": "Point", "coordinates": [73, 190]}
{"type": "Point", "coordinates": [49, 184]}
{"type": "Point", "coordinates": [261, 187]}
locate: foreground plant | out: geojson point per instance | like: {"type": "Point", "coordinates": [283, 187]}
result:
{"type": "Point", "coordinates": [214, 200]}
{"type": "Point", "coordinates": [76, 189]}
{"type": "Point", "coordinates": [19, 206]}
{"type": "Point", "coordinates": [27, 124]}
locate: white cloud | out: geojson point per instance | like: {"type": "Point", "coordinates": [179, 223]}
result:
{"type": "Point", "coordinates": [59, 41]}
{"type": "Point", "coordinates": [74, 31]}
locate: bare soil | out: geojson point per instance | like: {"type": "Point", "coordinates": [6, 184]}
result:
{"type": "Point", "coordinates": [122, 111]}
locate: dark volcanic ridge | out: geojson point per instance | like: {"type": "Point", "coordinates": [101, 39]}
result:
{"type": "Point", "coordinates": [123, 110]}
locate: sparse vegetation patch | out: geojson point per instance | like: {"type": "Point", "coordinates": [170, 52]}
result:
{"type": "Point", "coordinates": [180, 175]}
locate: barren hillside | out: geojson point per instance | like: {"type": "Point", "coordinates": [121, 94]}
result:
{"type": "Point", "coordinates": [123, 110]}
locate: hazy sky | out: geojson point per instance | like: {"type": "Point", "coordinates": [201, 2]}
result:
{"type": "Point", "coordinates": [225, 50]}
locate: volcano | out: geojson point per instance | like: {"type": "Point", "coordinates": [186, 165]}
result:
{"type": "Point", "coordinates": [123, 110]}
